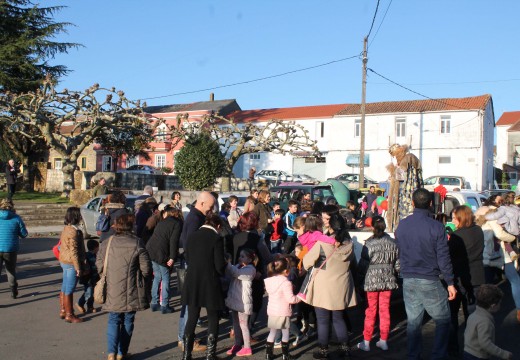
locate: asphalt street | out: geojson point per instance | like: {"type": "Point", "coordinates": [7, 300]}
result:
{"type": "Point", "coordinates": [30, 327]}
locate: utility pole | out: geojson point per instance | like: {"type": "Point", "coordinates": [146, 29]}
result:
{"type": "Point", "coordinates": [363, 105]}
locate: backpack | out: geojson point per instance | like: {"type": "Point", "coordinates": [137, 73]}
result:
{"type": "Point", "coordinates": [103, 223]}
{"type": "Point", "coordinates": [56, 250]}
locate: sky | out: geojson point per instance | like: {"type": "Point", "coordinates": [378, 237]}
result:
{"type": "Point", "coordinates": [151, 49]}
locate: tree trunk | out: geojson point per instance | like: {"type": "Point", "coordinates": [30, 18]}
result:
{"type": "Point", "coordinates": [226, 183]}
{"type": "Point", "coordinates": [27, 184]}
{"type": "Point", "coordinates": [68, 169]}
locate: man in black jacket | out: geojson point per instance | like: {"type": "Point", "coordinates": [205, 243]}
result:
{"type": "Point", "coordinates": [11, 172]}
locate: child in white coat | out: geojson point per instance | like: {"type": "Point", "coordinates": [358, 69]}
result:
{"type": "Point", "coordinates": [240, 300]}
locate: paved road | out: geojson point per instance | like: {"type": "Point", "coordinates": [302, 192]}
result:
{"type": "Point", "coordinates": [30, 327]}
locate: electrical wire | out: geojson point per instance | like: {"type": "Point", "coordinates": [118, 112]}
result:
{"type": "Point", "coordinates": [373, 20]}
{"type": "Point", "coordinates": [253, 80]}
{"type": "Point", "coordinates": [455, 83]}
{"type": "Point", "coordinates": [381, 23]}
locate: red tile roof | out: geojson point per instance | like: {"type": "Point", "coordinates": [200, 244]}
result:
{"type": "Point", "coordinates": [515, 127]}
{"type": "Point", "coordinates": [469, 103]}
{"type": "Point", "coordinates": [301, 112]}
{"type": "Point", "coordinates": [509, 118]}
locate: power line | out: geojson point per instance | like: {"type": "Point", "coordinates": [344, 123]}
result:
{"type": "Point", "coordinates": [381, 23]}
{"type": "Point", "coordinates": [253, 80]}
{"type": "Point", "coordinates": [456, 83]}
{"type": "Point", "coordinates": [373, 19]}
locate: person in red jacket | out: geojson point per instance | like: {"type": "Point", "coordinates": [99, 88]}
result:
{"type": "Point", "coordinates": [278, 232]}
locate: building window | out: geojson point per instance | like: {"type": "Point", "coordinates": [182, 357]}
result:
{"type": "Point", "coordinates": [131, 161]}
{"type": "Point", "coordinates": [320, 129]}
{"type": "Point", "coordinates": [160, 135]}
{"type": "Point", "coordinates": [400, 127]}
{"type": "Point", "coordinates": [444, 159]}
{"type": "Point", "coordinates": [106, 163]}
{"type": "Point", "coordinates": [314, 160]}
{"type": "Point", "coordinates": [160, 161]}
{"type": "Point", "coordinates": [445, 124]}
{"type": "Point", "coordinates": [357, 128]}
{"type": "Point", "coordinates": [254, 156]}
{"type": "Point", "coordinates": [83, 162]}
{"type": "Point", "coordinates": [58, 163]}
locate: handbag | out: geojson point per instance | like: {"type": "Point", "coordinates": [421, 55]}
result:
{"type": "Point", "coordinates": [100, 290]}
{"type": "Point", "coordinates": [314, 271]}
{"type": "Point", "coordinates": [56, 250]}
{"type": "Point", "coordinates": [103, 223]}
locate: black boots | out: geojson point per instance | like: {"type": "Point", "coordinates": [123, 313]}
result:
{"type": "Point", "coordinates": [345, 350]}
{"type": "Point", "coordinates": [14, 292]}
{"type": "Point", "coordinates": [269, 351]}
{"type": "Point", "coordinates": [285, 351]}
{"type": "Point", "coordinates": [211, 350]}
{"type": "Point", "coordinates": [187, 341]}
{"type": "Point", "coordinates": [321, 353]}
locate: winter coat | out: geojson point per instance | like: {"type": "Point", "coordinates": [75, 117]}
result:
{"type": "Point", "coordinates": [10, 174]}
{"type": "Point", "coordinates": [379, 264]}
{"type": "Point", "coordinates": [263, 211]}
{"type": "Point", "coordinates": [281, 296]}
{"type": "Point", "coordinates": [72, 248]}
{"type": "Point", "coordinates": [194, 220]}
{"type": "Point", "coordinates": [494, 237]}
{"type": "Point", "coordinates": [473, 239]}
{"type": "Point", "coordinates": [251, 240]}
{"type": "Point", "coordinates": [310, 238]}
{"type": "Point", "coordinates": [128, 273]}
{"type": "Point", "coordinates": [164, 243]}
{"type": "Point", "coordinates": [509, 215]}
{"type": "Point", "coordinates": [12, 228]}
{"type": "Point", "coordinates": [331, 287]}
{"type": "Point", "coordinates": [234, 216]}
{"type": "Point", "coordinates": [149, 228]}
{"type": "Point", "coordinates": [204, 254]}
{"type": "Point", "coordinates": [240, 293]}
{"type": "Point", "coordinates": [115, 210]}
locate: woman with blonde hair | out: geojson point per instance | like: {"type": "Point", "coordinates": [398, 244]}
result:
{"type": "Point", "coordinates": [263, 212]}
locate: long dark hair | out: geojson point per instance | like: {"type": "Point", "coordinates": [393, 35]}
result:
{"type": "Point", "coordinates": [379, 225]}
{"type": "Point", "coordinates": [72, 216]}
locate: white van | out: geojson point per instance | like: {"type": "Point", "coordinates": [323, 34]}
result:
{"type": "Point", "coordinates": [448, 181]}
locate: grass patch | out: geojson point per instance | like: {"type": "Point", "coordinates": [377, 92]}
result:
{"type": "Point", "coordinates": [49, 198]}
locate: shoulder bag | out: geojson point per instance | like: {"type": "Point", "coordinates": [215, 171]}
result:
{"type": "Point", "coordinates": [100, 290]}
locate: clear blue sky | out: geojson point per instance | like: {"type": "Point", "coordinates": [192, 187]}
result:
{"type": "Point", "coordinates": [440, 48]}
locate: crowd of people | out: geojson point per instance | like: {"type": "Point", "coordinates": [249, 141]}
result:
{"type": "Point", "coordinates": [302, 259]}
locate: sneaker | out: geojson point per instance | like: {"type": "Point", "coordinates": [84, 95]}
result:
{"type": "Point", "coordinates": [79, 308]}
{"type": "Point", "coordinates": [299, 339]}
{"type": "Point", "coordinates": [155, 307]}
{"type": "Point", "coordinates": [302, 296]}
{"type": "Point", "coordinates": [304, 326]}
{"type": "Point", "coordinates": [364, 345]}
{"type": "Point", "coordinates": [382, 345]}
{"type": "Point", "coordinates": [245, 352]}
{"type": "Point", "coordinates": [166, 310]}
{"type": "Point", "coordinates": [277, 345]}
{"type": "Point", "coordinates": [234, 350]}
{"type": "Point", "coordinates": [197, 346]}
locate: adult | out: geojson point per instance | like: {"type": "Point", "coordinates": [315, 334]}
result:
{"type": "Point", "coordinates": [493, 230]}
{"type": "Point", "coordinates": [204, 253]}
{"type": "Point", "coordinates": [263, 210]}
{"type": "Point", "coordinates": [424, 256]}
{"type": "Point", "coordinates": [73, 262]}
{"type": "Point", "coordinates": [128, 272]}
{"type": "Point", "coordinates": [252, 172]}
{"type": "Point", "coordinates": [327, 212]}
{"type": "Point", "coordinates": [12, 228]}
{"type": "Point", "coordinates": [369, 199]}
{"type": "Point", "coordinates": [11, 172]}
{"type": "Point", "coordinates": [101, 188]}
{"type": "Point", "coordinates": [176, 200]}
{"type": "Point", "coordinates": [163, 247]}
{"type": "Point", "coordinates": [153, 220]}
{"type": "Point", "coordinates": [113, 208]}
{"type": "Point", "coordinates": [194, 220]}
{"type": "Point", "coordinates": [234, 213]}
{"type": "Point", "coordinates": [148, 207]}
{"type": "Point", "coordinates": [331, 290]}
{"type": "Point", "coordinates": [466, 245]}
{"type": "Point", "coordinates": [251, 200]}
{"type": "Point", "coordinates": [147, 192]}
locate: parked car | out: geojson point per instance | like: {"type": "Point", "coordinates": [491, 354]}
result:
{"type": "Point", "coordinates": [455, 198]}
{"type": "Point", "coordinates": [142, 169]}
{"type": "Point", "coordinates": [304, 178]}
{"type": "Point", "coordinates": [352, 180]}
{"type": "Point", "coordinates": [331, 190]}
{"type": "Point", "coordinates": [273, 175]}
{"type": "Point", "coordinates": [448, 181]}
{"type": "Point", "coordinates": [91, 211]}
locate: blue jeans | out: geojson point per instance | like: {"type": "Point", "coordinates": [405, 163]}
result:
{"type": "Point", "coordinates": [87, 296]}
{"type": "Point", "coordinates": [183, 316]}
{"type": "Point", "coordinates": [69, 279]}
{"type": "Point", "coordinates": [514, 279]}
{"type": "Point", "coordinates": [276, 246]}
{"type": "Point", "coordinates": [430, 295]}
{"type": "Point", "coordinates": [160, 274]}
{"type": "Point", "coordinates": [119, 332]}
{"type": "Point", "coordinates": [338, 322]}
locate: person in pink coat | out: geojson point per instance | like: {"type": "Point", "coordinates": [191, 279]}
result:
{"type": "Point", "coordinates": [279, 312]}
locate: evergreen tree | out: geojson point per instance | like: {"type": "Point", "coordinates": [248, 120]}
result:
{"type": "Point", "coordinates": [26, 45]}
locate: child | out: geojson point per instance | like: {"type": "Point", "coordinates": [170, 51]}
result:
{"type": "Point", "coordinates": [479, 336]}
{"type": "Point", "coordinates": [377, 270]}
{"type": "Point", "coordinates": [279, 290]}
{"type": "Point", "coordinates": [276, 206]}
{"type": "Point", "coordinates": [89, 281]}
{"type": "Point", "coordinates": [240, 300]}
{"type": "Point", "coordinates": [290, 234]}
{"type": "Point", "coordinates": [308, 237]}
{"type": "Point", "coordinates": [508, 217]}
{"type": "Point", "coordinates": [276, 236]}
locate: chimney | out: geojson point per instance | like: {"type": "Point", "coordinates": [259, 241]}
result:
{"type": "Point", "coordinates": [211, 97]}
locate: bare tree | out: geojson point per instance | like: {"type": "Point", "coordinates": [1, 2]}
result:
{"type": "Point", "coordinates": [69, 121]}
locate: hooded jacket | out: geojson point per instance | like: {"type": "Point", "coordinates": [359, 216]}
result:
{"type": "Point", "coordinates": [12, 228]}
{"type": "Point", "coordinates": [281, 296]}
{"type": "Point", "coordinates": [240, 293]}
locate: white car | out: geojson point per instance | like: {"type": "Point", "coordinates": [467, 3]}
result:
{"type": "Point", "coordinates": [304, 178]}
{"type": "Point", "coordinates": [273, 175]}
{"type": "Point", "coordinates": [142, 169]}
{"type": "Point", "coordinates": [448, 181]}
{"type": "Point", "coordinates": [91, 211]}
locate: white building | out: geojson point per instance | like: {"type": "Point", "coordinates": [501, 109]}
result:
{"type": "Point", "coordinates": [450, 137]}
{"type": "Point", "coordinates": [508, 145]}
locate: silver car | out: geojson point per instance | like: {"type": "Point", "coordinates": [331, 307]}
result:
{"type": "Point", "coordinates": [91, 211]}
{"type": "Point", "coordinates": [142, 169]}
{"type": "Point", "coordinates": [273, 175]}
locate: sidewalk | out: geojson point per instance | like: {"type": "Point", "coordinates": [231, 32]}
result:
{"type": "Point", "coordinates": [38, 231]}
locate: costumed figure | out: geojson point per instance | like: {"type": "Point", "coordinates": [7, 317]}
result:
{"type": "Point", "coordinates": [405, 178]}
